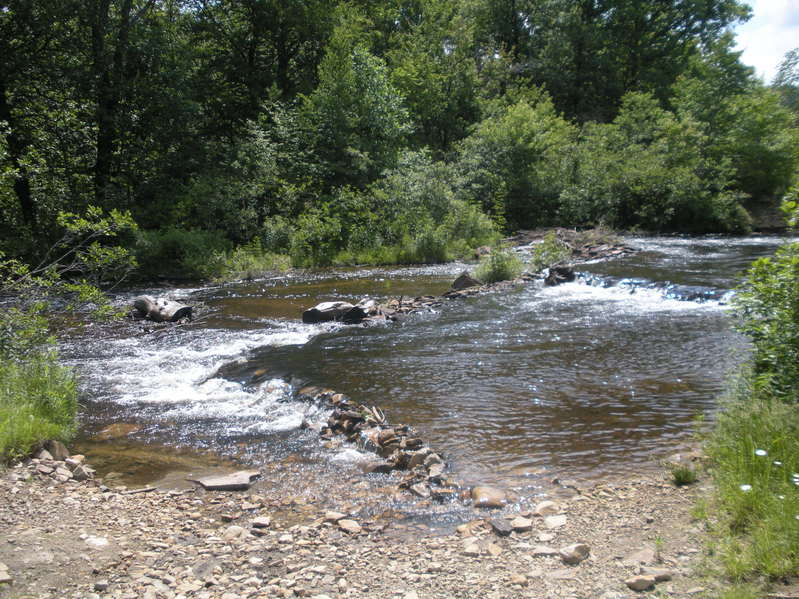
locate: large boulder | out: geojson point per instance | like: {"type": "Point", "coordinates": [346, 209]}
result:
{"type": "Point", "coordinates": [558, 275]}
{"type": "Point", "coordinates": [464, 281]}
{"type": "Point", "coordinates": [161, 309]}
{"type": "Point", "coordinates": [326, 312]}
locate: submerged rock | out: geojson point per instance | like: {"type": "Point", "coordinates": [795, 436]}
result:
{"type": "Point", "coordinates": [489, 497]}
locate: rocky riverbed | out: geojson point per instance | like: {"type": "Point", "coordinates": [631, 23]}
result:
{"type": "Point", "coordinates": [69, 538]}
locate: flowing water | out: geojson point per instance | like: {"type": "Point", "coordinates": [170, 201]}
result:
{"type": "Point", "coordinates": [593, 378]}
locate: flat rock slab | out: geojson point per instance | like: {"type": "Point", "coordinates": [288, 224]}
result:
{"type": "Point", "coordinates": [237, 481]}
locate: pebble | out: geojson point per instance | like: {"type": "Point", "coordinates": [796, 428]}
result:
{"type": "Point", "coordinates": [640, 582]}
{"type": "Point", "coordinates": [546, 508]}
{"type": "Point", "coordinates": [489, 497]}
{"type": "Point", "coordinates": [501, 526]}
{"type": "Point", "coordinates": [261, 522]}
{"type": "Point", "coordinates": [5, 575]}
{"type": "Point", "coordinates": [660, 574]}
{"type": "Point", "coordinates": [520, 524]}
{"type": "Point", "coordinates": [350, 526]}
{"type": "Point", "coordinates": [553, 522]}
{"type": "Point", "coordinates": [574, 554]}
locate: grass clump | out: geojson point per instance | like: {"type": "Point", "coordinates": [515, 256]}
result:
{"type": "Point", "coordinates": [38, 396]}
{"type": "Point", "coordinates": [500, 265]}
{"type": "Point", "coordinates": [682, 475]}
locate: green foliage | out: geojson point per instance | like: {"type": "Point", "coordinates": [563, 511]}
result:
{"type": "Point", "coordinates": [549, 252]}
{"type": "Point", "coordinates": [515, 162]}
{"type": "Point", "coordinates": [768, 303]}
{"type": "Point", "coordinates": [354, 119]}
{"type": "Point", "coordinates": [502, 264]}
{"type": "Point", "coordinates": [38, 397]}
{"type": "Point", "coordinates": [38, 401]}
{"type": "Point", "coordinates": [647, 170]}
{"type": "Point", "coordinates": [682, 475]}
{"type": "Point", "coordinates": [755, 449]}
{"type": "Point", "coordinates": [180, 253]}
{"type": "Point", "coordinates": [755, 446]}
{"type": "Point", "coordinates": [250, 261]}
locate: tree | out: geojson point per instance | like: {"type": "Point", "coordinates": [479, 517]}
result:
{"type": "Point", "coordinates": [354, 119]}
{"type": "Point", "coordinates": [786, 81]}
{"type": "Point", "coordinates": [516, 162]}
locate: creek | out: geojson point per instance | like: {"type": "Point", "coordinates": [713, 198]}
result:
{"type": "Point", "coordinates": [595, 378]}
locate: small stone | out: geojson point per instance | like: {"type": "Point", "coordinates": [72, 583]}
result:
{"type": "Point", "coordinates": [411, 595]}
{"type": "Point", "coordinates": [501, 526]}
{"type": "Point", "coordinates": [334, 516]}
{"type": "Point", "coordinates": [471, 549]}
{"type": "Point", "coordinates": [494, 550]}
{"type": "Point", "coordinates": [543, 551]}
{"type": "Point", "coordinates": [82, 472]}
{"type": "Point", "coordinates": [101, 585]}
{"type": "Point", "coordinates": [350, 526]}
{"type": "Point", "coordinates": [643, 557]}
{"type": "Point", "coordinates": [420, 490]}
{"type": "Point", "coordinates": [229, 517]}
{"type": "Point", "coordinates": [522, 524]}
{"type": "Point", "coordinates": [96, 542]}
{"type": "Point", "coordinates": [285, 539]}
{"type": "Point", "coordinates": [57, 450]}
{"type": "Point", "coordinates": [574, 554]}
{"type": "Point", "coordinates": [436, 471]}
{"type": "Point", "coordinates": [546, 508]}
{"type": "Point", "coordinates": [660, 574]}
{"type": "Point", "coordinates": [44, 469]}
{"type": "Point", "coordinates": [261, 522]}
{"type": "Point", "coordinates": [488, 497]}
{"type": "Point", "coordinates": [5, 575]}
{"type": "Point", "coordinates": [232, 533]}
{"type": "Point", "coordinates": [640, 582]}
{"type": "Point", "coordinates": [520, 579]}
{"type": "Point", "coordinates": [237, 481]}
{"type": "Point", "coordinates": [546, 537]}
{"type": "Point", "coordinates": [553, 522]}
{"type": "Point", "coordinates": [44, 455]}
{"type": "Point", "coordinates": [63, 472]}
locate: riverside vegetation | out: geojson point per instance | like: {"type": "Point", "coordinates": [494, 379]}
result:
{"type": "Point", "coordinates": [243, 138]}
{"type": "Point", "coordinates": [755, 446]}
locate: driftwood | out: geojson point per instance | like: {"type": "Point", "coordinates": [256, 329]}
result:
{"type": "Point", "coordinates": [161, 309]}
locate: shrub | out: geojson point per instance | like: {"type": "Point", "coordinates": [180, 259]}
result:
{"type": "Point", "coordinates": [500, 265]}
{"type": "Point", "coordinates": [549, 252]}
{"type": "Point", "coordinates": [516, 162]}
{"type": "Point", "coordinates": [250, 261]}
{"type": "Point", "coordinates": [768, 303]}
{"type": "Point", "coordinates": [181, 253]}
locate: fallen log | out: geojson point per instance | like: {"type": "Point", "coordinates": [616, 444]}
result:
{"type": "Point", "coordinates": [161, 309]}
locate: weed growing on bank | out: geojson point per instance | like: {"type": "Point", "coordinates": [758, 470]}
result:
{"type": "Point", "coordinates": [38, 396]}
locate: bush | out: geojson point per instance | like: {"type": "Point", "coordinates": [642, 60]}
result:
{"type": "Point", "coordinates": [549, 252]}
{"type": "Point", "coordinates": [647, 170]}
{"type": "Point", "coordinates": [768, 303]}
{"type": "Point", "coordinates": [251, 261]}
{"type": "Point", "coordinates": [181, 254]}
{"type": "Point", "coordinates": [516, 163]}
{"type": "Point", "coordinates": [500, 265]}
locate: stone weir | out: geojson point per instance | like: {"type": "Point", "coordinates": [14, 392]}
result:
{"type": "Point", "coordinates": [396, 447]}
